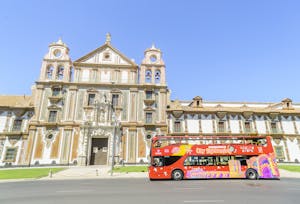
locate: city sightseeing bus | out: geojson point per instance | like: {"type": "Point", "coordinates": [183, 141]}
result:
{"type": "Point", "coordinates": [190, 157]}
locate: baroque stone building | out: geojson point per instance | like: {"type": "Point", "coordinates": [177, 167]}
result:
{"type": "Point", "coordinates": [279, 120]}
{"type": "Point", "coordinates": [81, 107]}
{"type": "Point", "coordinates": [15, 115]}
{"type": "Point", "coordinates": [104, 105]}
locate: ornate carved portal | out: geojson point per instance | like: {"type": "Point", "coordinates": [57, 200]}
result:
{"type": "Point", "coordinates": [99, 145]}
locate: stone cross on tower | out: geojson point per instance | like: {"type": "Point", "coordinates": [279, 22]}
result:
{"type": "Point", "coordinates": [108, 38]}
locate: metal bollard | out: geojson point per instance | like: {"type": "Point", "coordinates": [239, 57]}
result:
{"type": "Point", "coordinates": [97, 173]}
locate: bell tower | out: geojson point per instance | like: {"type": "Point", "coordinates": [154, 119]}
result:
{"type": "Point", "coordinates": [153, 67]}
{"type": "Point", "coordinates": [57, 65]}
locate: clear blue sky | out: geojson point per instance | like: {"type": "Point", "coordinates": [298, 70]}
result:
{"type": "Point", "coordinates": [222, 50]}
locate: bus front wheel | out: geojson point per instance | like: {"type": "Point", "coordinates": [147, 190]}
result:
{"type": "Point", "coordinates": [177, 175]}
{"type": "Point", "coordinates": [251, 174]}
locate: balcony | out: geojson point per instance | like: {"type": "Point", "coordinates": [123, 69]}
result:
{"type": "Point", "coordinates": [222, 130]}
{"type": "Point", "coordinates": [250, 131]}
{"type": "Point", "coordinates": [149, 102]}
{"type": "Point", "coordinates": [55, 98]}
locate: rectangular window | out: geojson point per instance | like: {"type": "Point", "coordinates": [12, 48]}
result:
{"type": "Point", "coordinates": [223, 160]}
{"type": "Point", "coordinates": [279, 152]}
{"type": "Point", "coordinates": [115, 100]}
{"type": "Point", "coordinates": [52, 116]}
{"type": "Point", "coordinates": [149, 95]}
{"type": "Point", "coordinates": [199, 161]}
{"type": "Point", "coordinates": [17, 125]}
{"type": "Point", "coordinates": [148, 117]}
{"type": "Point", "coordinates": [273, 127]}
{"type": "Point", "coordinates": [221, 126]}
{"type": "Point", "coordinates": [177, 126]}
{"type": "Point", "coordinates": [10, 154]}
{"type": "Point", "coordinates": [91, 99]}
{"type": "Point", "coordinates": [247, 126]}
{"type": "Point", "coordinates": [55, 91]}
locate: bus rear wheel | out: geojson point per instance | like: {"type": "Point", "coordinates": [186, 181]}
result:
{"type": "Point", "coordinates": [177, 175]}
{"type": "Point", "coordinates": [251, 174]}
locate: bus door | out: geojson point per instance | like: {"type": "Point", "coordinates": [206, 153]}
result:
{"type": "Point", "coordinates": [237, 167]}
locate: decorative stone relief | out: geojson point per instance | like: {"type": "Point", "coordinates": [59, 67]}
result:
{"type": "Point", "coordinates": [13, 140]}
{"type": "Point", "coordinates": [277, 141]}
{"type": "Point", "coordinates": [221, 114]}
{"type": "Point", "coordinates": [273, 115]}
{"type": "Point", "coordinates": [50, 134]}
{"type": "Point", "coordinates": [177, 114]}
{"type": "Point", "coordinates": [247, 114]}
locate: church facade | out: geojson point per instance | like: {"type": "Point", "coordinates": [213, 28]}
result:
{"type": "Point", "coordinates": [100, 106]}
{"type": "Point", "coordinates": [103, 107]}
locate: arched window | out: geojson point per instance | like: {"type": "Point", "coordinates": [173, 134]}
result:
{"type": "Point", "coordinates": [60, 73]}
{"type": "Point", "coordinates": [157, 76]}
{"type": "Point", "coordinates": [148, 76]}
{"type": "Point", "coordinates": [49, 72]}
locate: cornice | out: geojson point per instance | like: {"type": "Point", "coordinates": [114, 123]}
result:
{"type": "Point", "coordinates": [12, 108]}
{"type": "Point", "coordinates": [101, 48]}
{"type": "Point", "coordinates": [152, 65]}
{"type": "Point", "coordinates": [78, 65]}
{"type": "Point", "coordinates": [14, 133]}
{"type": "Point", "coordinates": [234, 110]}
{"type": "Point", "coordinates": [77, 85]}
{"type": "Point", "coordinates": [36, 124]}
{"type": "Point", "coordinates": [141, 125]}
{"type": "Point", "coordinates": [57, 60]}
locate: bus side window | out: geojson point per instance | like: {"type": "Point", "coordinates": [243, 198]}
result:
{"type": "Point", "coordinates": [191, 161]}
{"type": "Point", "coordinates": [243, 162]}
{"type": "Point", "coordinates": [261, 142]}
{"type": "Point", "coordinates": [224, 160]}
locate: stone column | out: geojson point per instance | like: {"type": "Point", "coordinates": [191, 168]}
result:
{"type": "Point", "coordinates": [186, 123]}
{"type": "Point", "coordinates": [228, 122]}
{"type": "Point", "coordinates": [133, 104]}
{"type": "Point", "coordinates": [8, 121]}
{"type": "Point", "coordinates": [295, 126]}
{"type": "Point", "coordinates": [286, 148]}
{"type": "Point", "coordinates": [200, 125]}
{"type": "Point", "coordinates": [213, 119]}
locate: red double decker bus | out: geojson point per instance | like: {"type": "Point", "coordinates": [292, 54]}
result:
{"type": "Point", "coordinates": [184, 157]}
